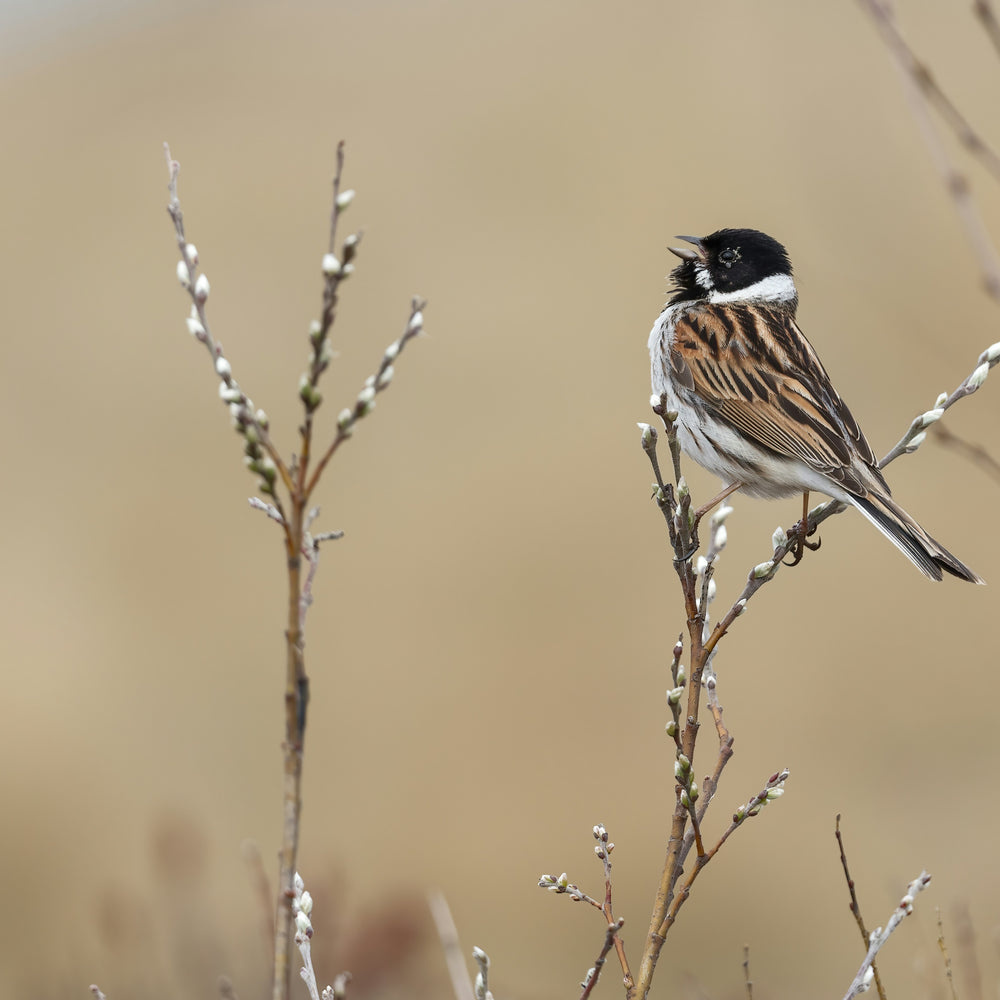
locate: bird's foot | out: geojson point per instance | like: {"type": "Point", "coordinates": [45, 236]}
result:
{"type": "Point", "coordinates": [801, 533]}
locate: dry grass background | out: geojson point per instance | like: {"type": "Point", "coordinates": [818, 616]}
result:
{"type": "Point", "coordinates": [489, 645]}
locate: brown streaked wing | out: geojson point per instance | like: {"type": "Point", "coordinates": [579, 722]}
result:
{"type": "Point", "coordinates": [754, 367]}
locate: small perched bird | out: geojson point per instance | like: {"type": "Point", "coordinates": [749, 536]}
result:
{"type": "Point", "coordinates": [754, 403]}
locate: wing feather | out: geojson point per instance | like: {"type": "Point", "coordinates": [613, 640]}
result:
{"type": "Point", "coordinates": [752, 365]}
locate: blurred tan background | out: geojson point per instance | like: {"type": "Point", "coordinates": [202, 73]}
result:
{"type": "Point", "coordinates": [489, 645]}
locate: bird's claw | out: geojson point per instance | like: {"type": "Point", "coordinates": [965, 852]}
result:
{"type": "Point", "coordinates": [801, 535]}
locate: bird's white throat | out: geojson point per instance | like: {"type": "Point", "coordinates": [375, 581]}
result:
{"type": "Point", "coordinates": [775, 288]}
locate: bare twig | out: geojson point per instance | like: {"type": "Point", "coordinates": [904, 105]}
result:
{"type": "Point", "coordinates": [856, 908]}
{"type": "Point", "coordinates": [922, 89]}
{"type": "Point", "coordinates": [920, 73]}
{"type": "Point", "coordinates": [862, 981]}
{"type": "Point", "coordinates": [562, 885]}
{"type": "Point", "coordinates": [375, 384]}
{"type": "Point", "coordinates": [684, 699]}
{"type": "Point", "coordinates": [292, 515]}
{"type": "Point", "coordinates": [988, 19]}
{"type": "Point", "coordinates": [461, 982]}
{"type": "Point", "coordinates": [746, 971]}
{"type": "Point", "coordinates": [262, 457]}
{"type": "Point", "coordinates": [603, 850]}
{"type": "Point", "coordinates": [774, 788]}
{"type": "Point", "coordinates": [610, 937]}
{"type": "Point", "coordinates": [945, 957]}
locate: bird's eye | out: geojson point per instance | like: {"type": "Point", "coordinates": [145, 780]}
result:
{"type": "Point", "coordinates": [729, 257]}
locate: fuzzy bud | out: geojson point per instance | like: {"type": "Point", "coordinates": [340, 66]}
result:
{"type": "Point", "coordinates": [345, 198]}
{"type": "Point", "coordinates": [779, 538]}
{"type": "Point", "coordinates": [721, 537]}
{"type": "Point", "coordinates": [763, 569]}
{"type": "Point", "coordinates": [385, 377]}
{"type": "Point", "coordinates": [191, 254]}
{"type": "Point", "coordinates": [392, 351]}
{"type": "Point", "coordinates": [201, 288]}
{"type": "Point", "coordinates": [331, 265]}
{"type": "Point", "coordinates": [345, 419]}
{"type": "Point", "coordinates": [183, 274]}
{"type": "Point", "coordinates": [308, 393]}
{"type": "Point", "coordinates": [916, 441]}
{"type": "Point", "coordinates": [991, 353]}
{"type": "Point", "coordinates": [367, 396]}
{"type": "Point", "coordinates": [719, 517]}
{"type": "Point", "coordinates": [222, 368]}
{"type": "Point", "coordinates": [195, 327]}
{"type": "Point", "coordinates": [416, 322]}
{"type": "Point", "coordinates": [978, 377]}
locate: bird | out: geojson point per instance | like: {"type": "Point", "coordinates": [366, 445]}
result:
{"type": "Point", "coordinates": [754, 403]}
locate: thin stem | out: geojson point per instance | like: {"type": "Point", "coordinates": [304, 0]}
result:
{"type": "Point", "coordinates": [988, 19]}
{"type": "Point", "coordinates": [296, 700]}
{"type": "Point", "coordinates": [856, 907]}
{"type": "Point", "coordinates": [413, 328]}
{"type": "Point", "coordinates": [610, 937]}
{"type": "Point", "coordinates": [922, 90]}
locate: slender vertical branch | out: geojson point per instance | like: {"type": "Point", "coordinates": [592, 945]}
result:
{"type": "Point", "coordinates": [856, 908]}
{"type": "Point", "coordinates": [296, 699]}
{"type": "Point", "coordinates": [291, 513]}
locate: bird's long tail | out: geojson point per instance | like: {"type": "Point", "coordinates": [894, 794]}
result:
{"type": "Point", "coordinates": [923, 551]}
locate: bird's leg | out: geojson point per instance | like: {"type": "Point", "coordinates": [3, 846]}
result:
{"type": "Point", "coordinates": [706, 507]}
{"type": "Point", "coordinates": [802, 532]}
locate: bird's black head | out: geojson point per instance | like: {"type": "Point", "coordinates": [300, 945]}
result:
{"type": "Point", "coordinates": [732, 261]}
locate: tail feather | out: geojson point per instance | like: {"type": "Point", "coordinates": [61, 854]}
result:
{"type": "Point", "coordinates": [924, 552]}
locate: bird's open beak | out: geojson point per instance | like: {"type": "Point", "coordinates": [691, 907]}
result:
{"type": "Point", "coordinates": [684, 253]}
